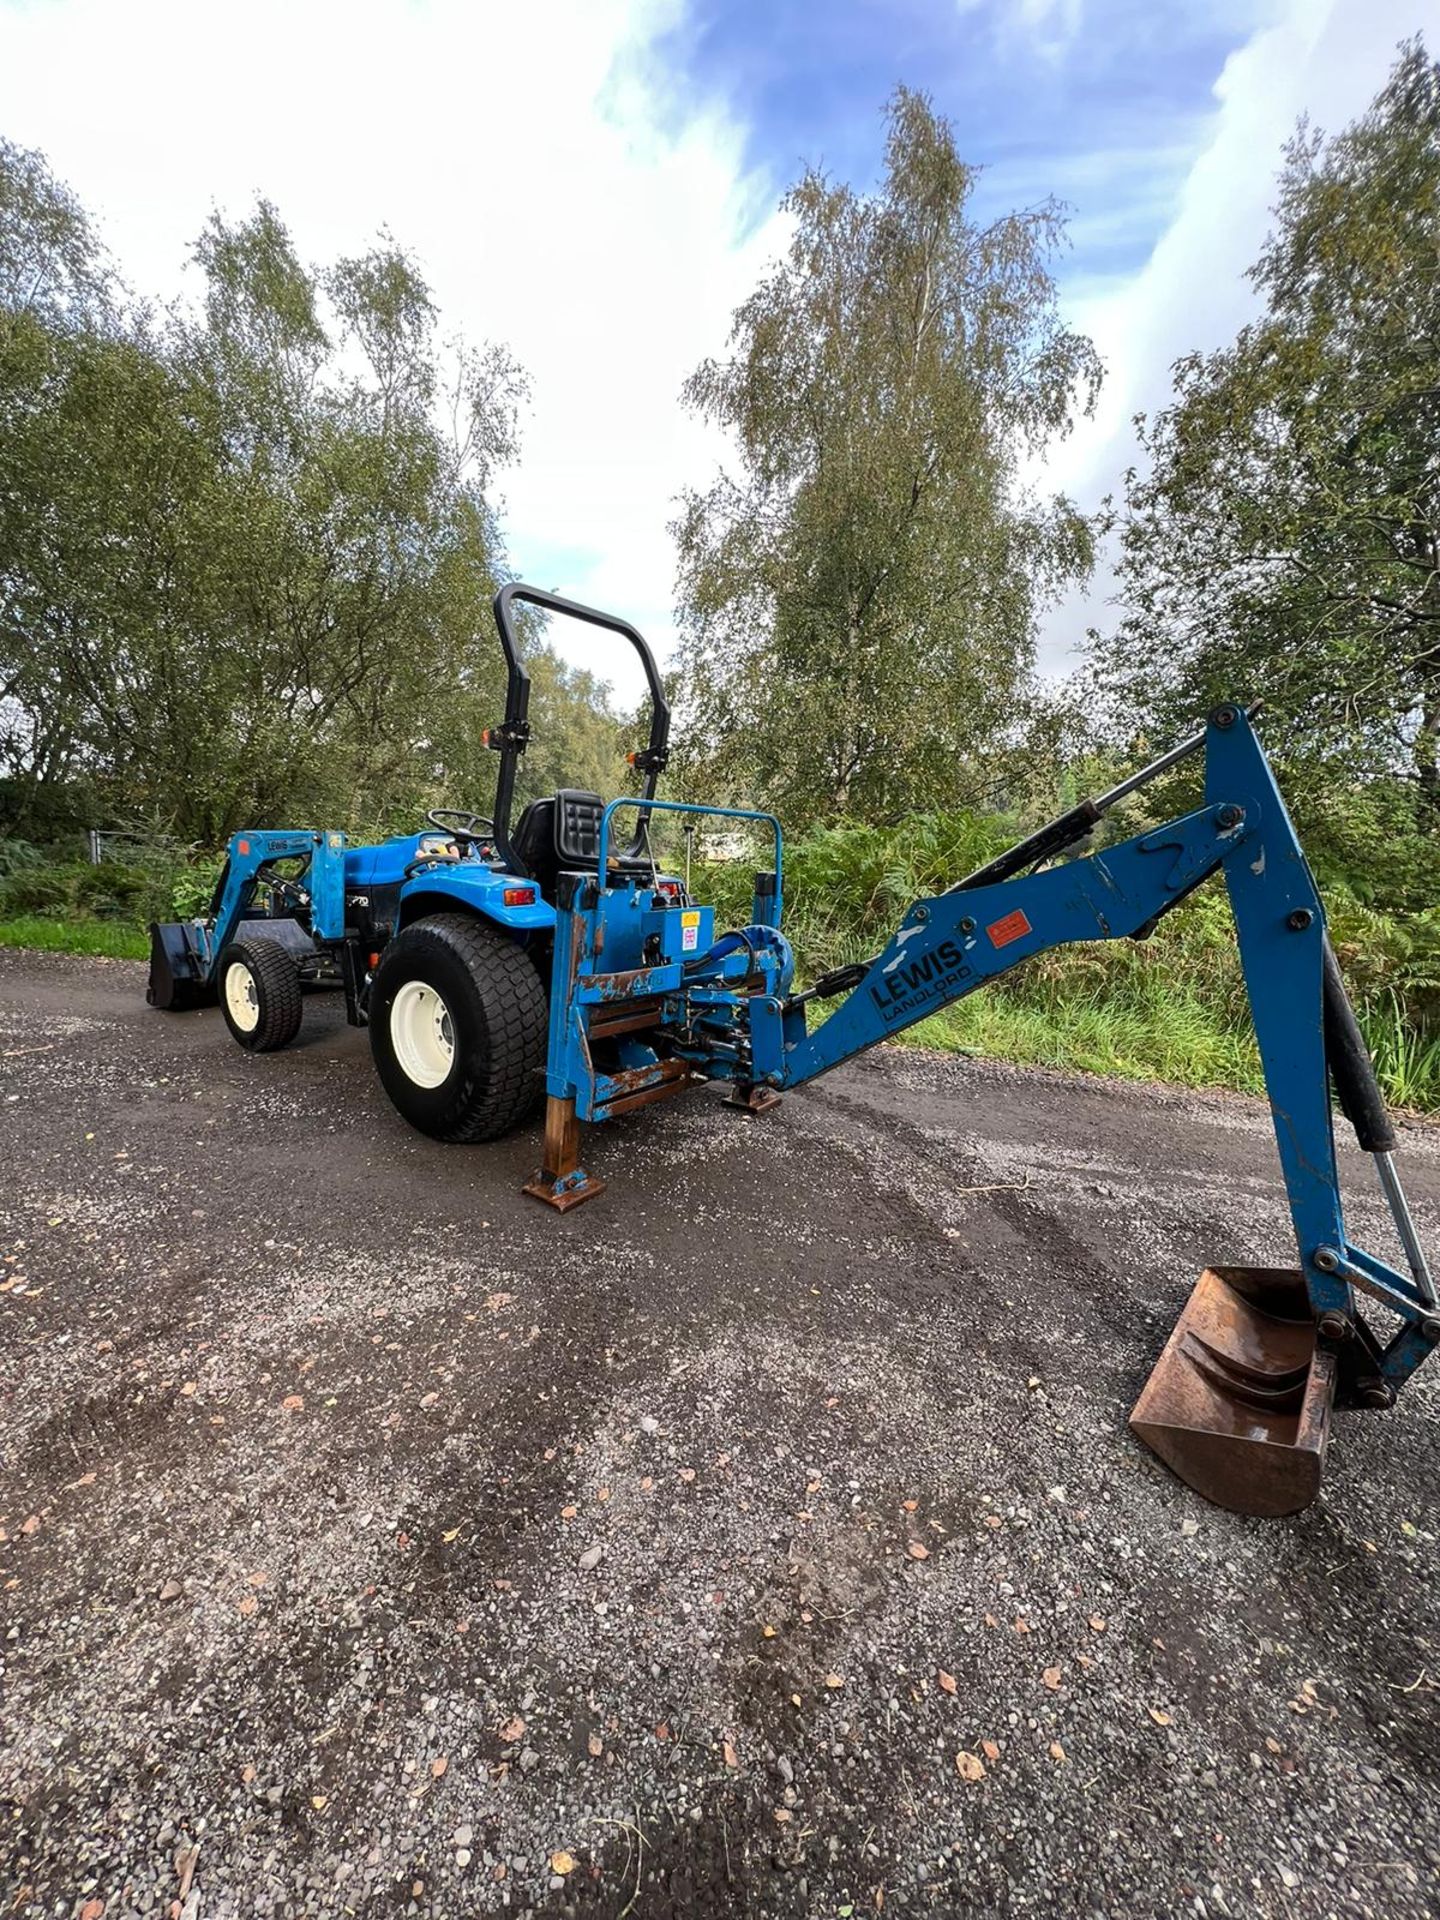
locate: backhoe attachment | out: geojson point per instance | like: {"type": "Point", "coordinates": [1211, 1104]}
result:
{"type": "Point", "coordinates": [1239, 1403]}
{"type": "Point", "coordinates": [645, 1002]}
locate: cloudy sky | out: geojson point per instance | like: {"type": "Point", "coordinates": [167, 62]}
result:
{"type": "Point", "coordinates": [594, 182]}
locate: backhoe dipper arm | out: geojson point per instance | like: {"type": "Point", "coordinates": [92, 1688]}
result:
{"type": "Point", "coordinates": [949, 945]}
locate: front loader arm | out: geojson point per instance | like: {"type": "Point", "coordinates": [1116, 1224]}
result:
{"type": "Point", "coordinates": [247, 855]}
{"type": "Point", "coordinates": [185, 954]}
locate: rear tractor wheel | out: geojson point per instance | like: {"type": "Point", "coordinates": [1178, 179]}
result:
{"type": "Point", "coordinates": [457, 1028]}
{"type": "Point", "coordinates": [259, 984]}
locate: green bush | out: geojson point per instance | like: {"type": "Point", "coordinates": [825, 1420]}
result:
{"type": "Point", "coordinates": [77, 890]}
{"type": "Point", "coordinates": [18, 855]}
{"type": "Point", "coordinates": [193, 889]}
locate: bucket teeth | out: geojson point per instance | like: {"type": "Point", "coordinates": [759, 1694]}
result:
{"type": "Point", "coordinates": [1239, 1402]}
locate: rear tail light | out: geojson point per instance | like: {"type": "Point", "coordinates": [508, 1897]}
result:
{"type": "Point", "coordinates": [519, 896]}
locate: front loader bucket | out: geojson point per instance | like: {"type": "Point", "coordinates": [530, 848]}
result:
{"type": "Point", "coordinates": [1239, 1402]}
{"type": "Point", "coordinates": [177, 981]}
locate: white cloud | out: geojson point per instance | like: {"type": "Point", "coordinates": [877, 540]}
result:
{"type": "Point", "coordinates": [555, 199]}
{"type": "Point", "coordinates": [1324, 58]}
{"type": "Point", "coordinates": [1048, 27]}
{"type": "Point", "coordinates": [1052, 25]}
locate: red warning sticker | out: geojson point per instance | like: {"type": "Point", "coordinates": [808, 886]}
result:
{"type": "Point", "coordinates": [1013, 927]}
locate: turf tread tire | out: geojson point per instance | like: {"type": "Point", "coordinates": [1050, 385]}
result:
{"type": "Point", "coordinates": [499, 1009]}
{"type": "Point", "coordinates": [277, 983]}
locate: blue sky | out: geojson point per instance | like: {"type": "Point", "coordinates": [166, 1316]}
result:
{"type": "Point", "coordinates": [1102, 106]}
{"type": "Point", "coordinates": [594, 183]}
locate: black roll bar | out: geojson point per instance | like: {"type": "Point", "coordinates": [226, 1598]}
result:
{"type": "Point", "coordinates": [511, 738]}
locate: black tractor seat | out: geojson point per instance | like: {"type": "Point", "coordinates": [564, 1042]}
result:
{"type": "Point", "coordinates": [561, 834]}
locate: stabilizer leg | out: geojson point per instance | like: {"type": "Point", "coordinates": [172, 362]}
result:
{"type": "Point", "coordinates": [562, 1182]}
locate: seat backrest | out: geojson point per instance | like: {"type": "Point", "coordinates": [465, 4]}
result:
{"type": "Point", "coordinates": [561, 834]}
{"type": "Point", "coordinates": [577, 828]}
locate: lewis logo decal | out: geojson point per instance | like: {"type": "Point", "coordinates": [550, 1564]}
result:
{"type": "Point", "coordinates": [910, 985]}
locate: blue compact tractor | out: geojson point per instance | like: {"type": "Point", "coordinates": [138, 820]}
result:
{"type": "Point", "coordinates": [442, 941]}
{"type": "Point", "coordinates": [499, 963]}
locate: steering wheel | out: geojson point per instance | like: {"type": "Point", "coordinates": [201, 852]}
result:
{"type": "Point", "coordinates": [463, 825]}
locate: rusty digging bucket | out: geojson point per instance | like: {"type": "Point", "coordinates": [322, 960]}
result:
{"type": "Point", "coordinates": [1239, 1402]}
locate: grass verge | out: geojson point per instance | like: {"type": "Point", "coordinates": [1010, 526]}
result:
{"type": "Point", "coordinates": [111, 940]}
{"type": "Point", "coordinates": [1176, 1043]}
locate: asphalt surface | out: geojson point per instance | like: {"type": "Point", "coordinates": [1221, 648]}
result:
{"type": "Point", "coordinates": [764, 1538]}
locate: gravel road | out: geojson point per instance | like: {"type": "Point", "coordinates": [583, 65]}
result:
{"type": "Point", "coordinates": [763, 1539]}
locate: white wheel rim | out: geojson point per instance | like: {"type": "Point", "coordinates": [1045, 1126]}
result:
{"type": "Point", "coordinates": [422, 1034]}
{"type": "Point", "coordinates": [242, 996]}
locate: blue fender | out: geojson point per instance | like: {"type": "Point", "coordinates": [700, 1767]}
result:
{"type": "Point", "coordinates": [476, 889]}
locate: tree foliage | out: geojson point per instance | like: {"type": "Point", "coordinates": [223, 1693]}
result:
{"type": "Point", "coordinates": [246, 552]}
{"type": "Point", "coordinates": [859, 602]}
{"type": "Point", "coordinates": [51, 263]}
{"type": "Point", "coordinates": [1284, 539]}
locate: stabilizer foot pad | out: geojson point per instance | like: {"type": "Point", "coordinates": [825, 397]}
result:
{"type": "Point", "coordinates": [563, 1191]}
{"type": "Point", "coordinates": [561, 1182]}
{"type": "Point", "coordinates": [753, 1099]}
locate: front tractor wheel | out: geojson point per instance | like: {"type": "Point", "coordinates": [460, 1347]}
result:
{"type": "Point", "coordinates": [457, 1028]}
{"type": "Point", "coordinates": [259, 994]}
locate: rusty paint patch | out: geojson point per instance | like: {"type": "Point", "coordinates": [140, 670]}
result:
{"type": "Point", "coordinates": [634, 983]}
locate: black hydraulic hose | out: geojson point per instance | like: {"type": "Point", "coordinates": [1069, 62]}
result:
{"type": "Point", "coordinates": [1353, 1072]}
{"type": "Point", "coordinates": [1074, 825]}
{"type": "Point", "coordinates": [1351, 1067]}
{"type": "Point", "coordinates": [1062, 832]}
{"type": "Point", "coordinates": [1054, 837]}
{"type": "Point", "coordinates": [839, 980]}
{"type": "Point", "coordinates": [752, 959]}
